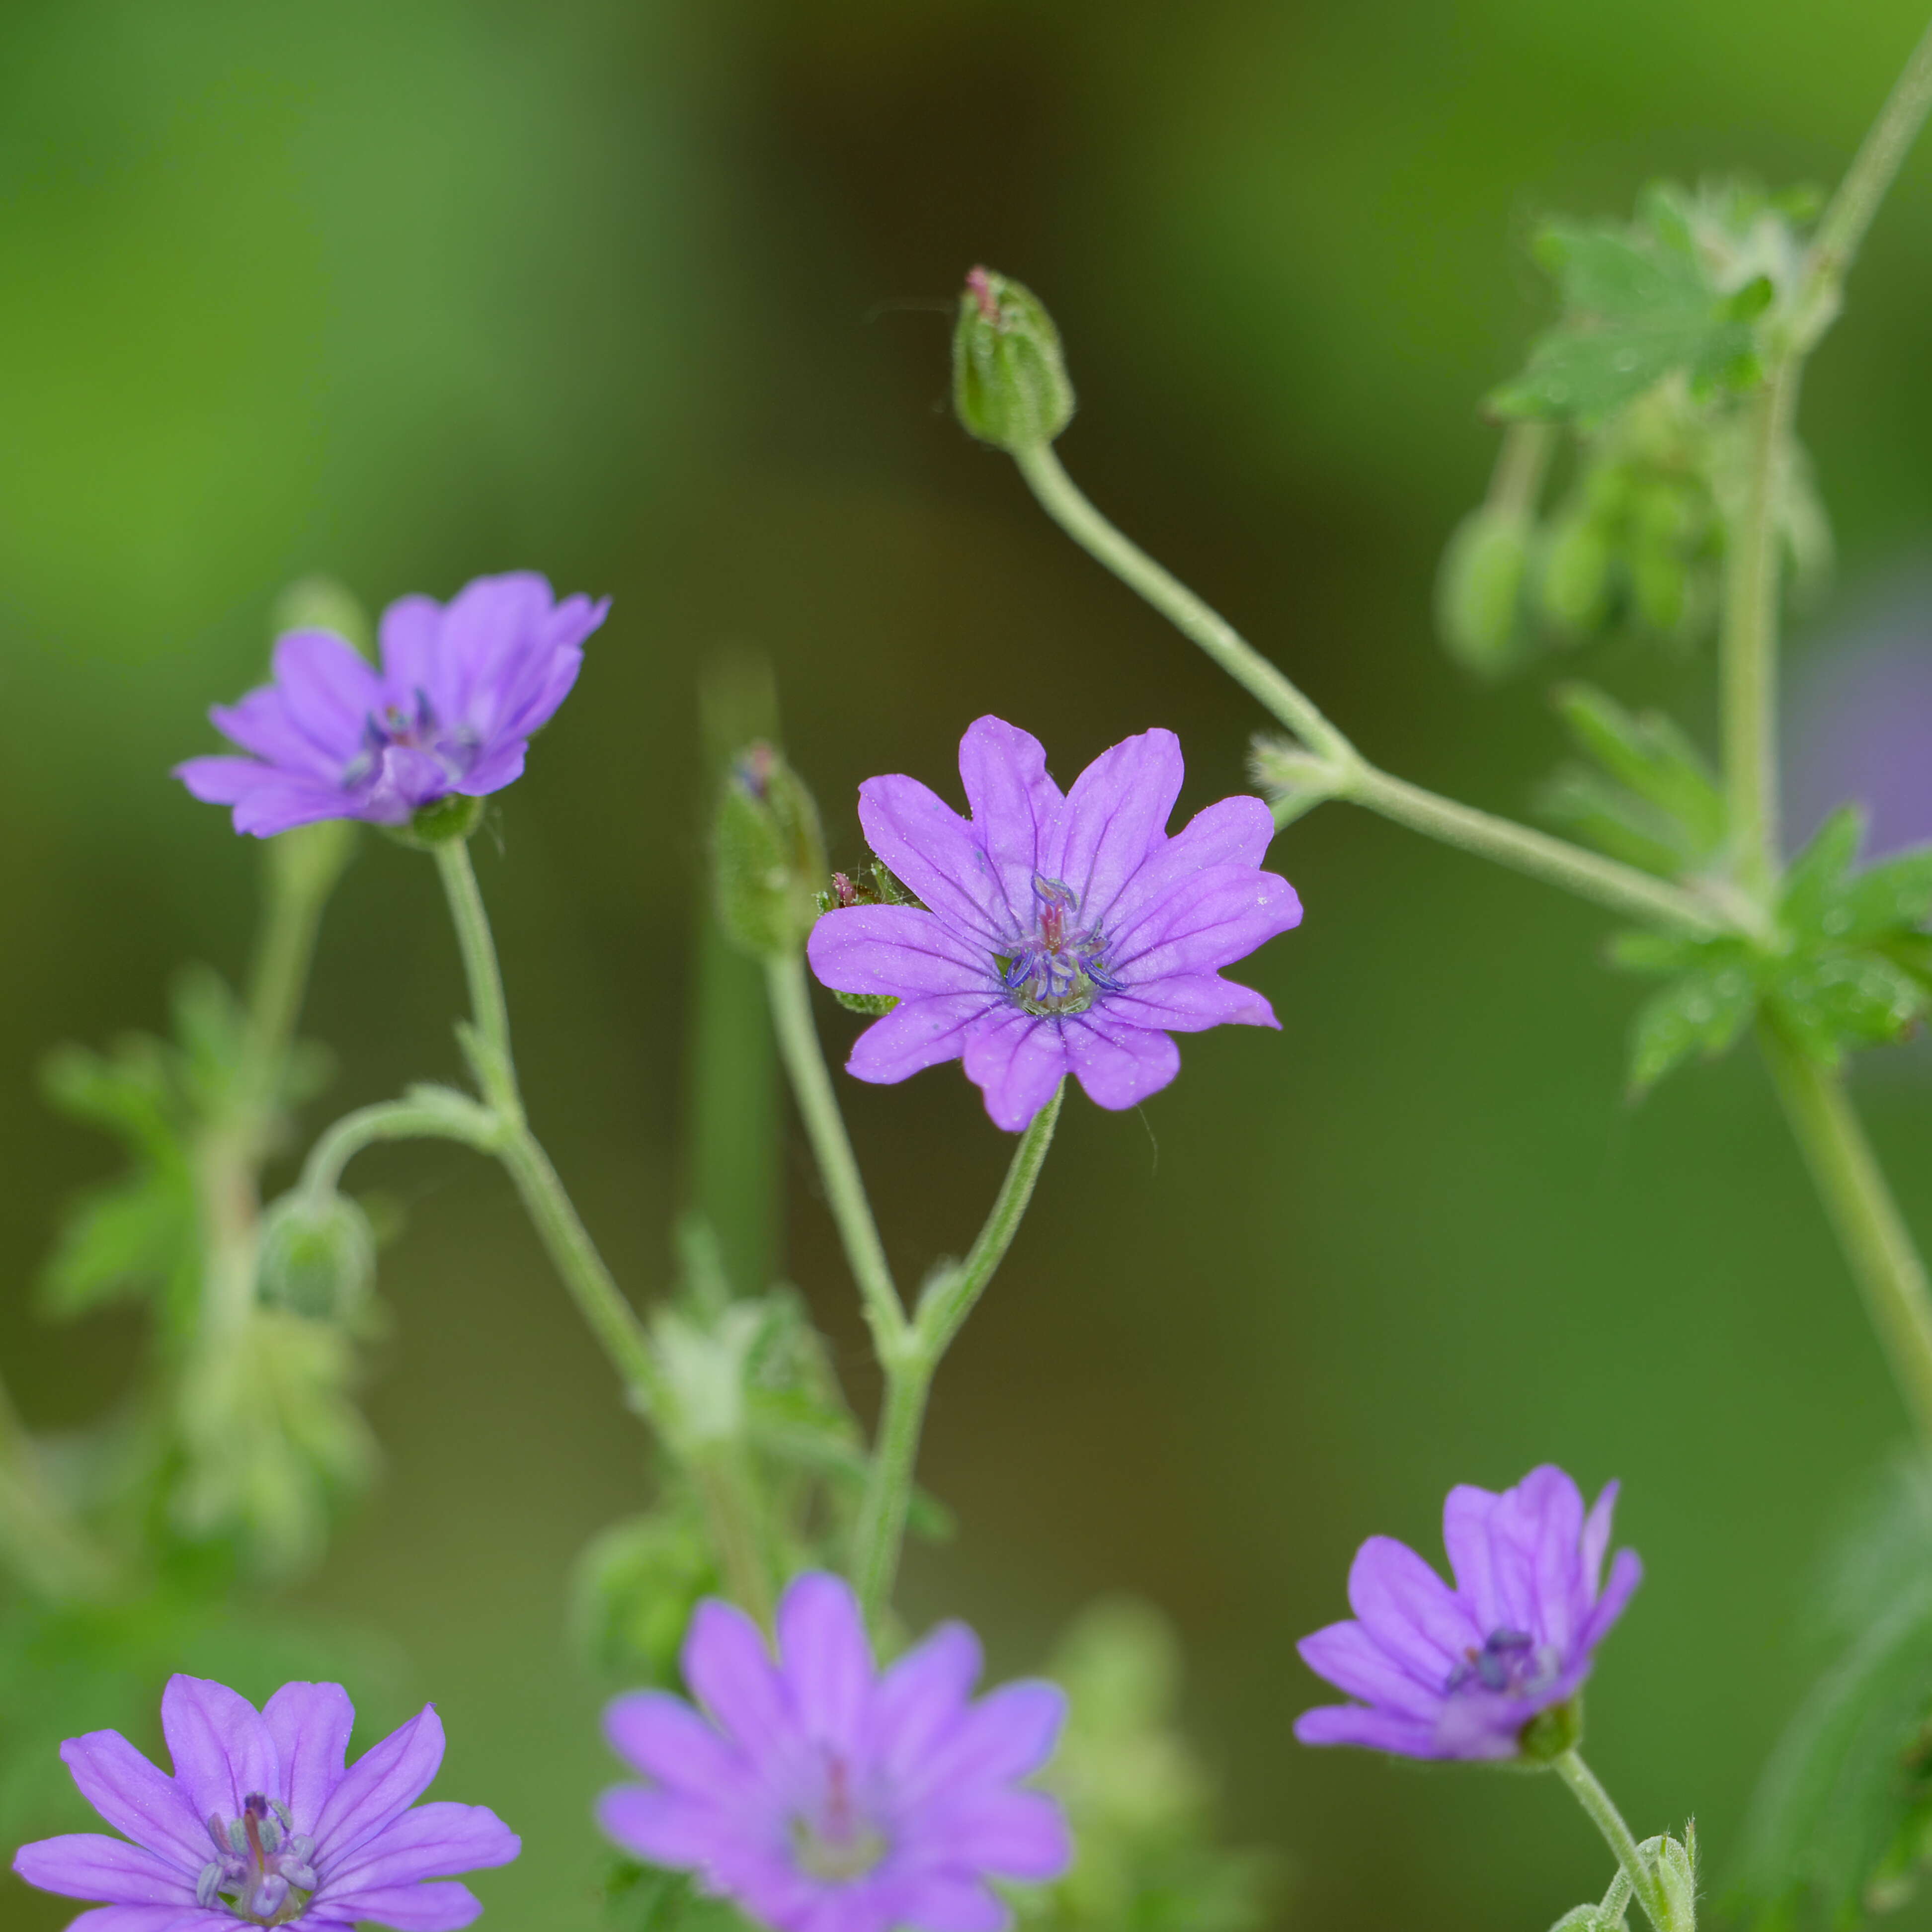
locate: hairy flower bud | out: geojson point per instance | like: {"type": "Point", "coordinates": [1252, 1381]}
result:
{"type": "Point", "coordinates": [1479, 590]}
{"type": "Point", "coordinates": [317, 1258]}
{"type": "Point", "coordinates": [768, 853]}
{"type": "Point", "coordinates": [1009, 384]}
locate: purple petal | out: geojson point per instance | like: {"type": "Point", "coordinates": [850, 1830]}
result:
{"type": "Point", "coordinates": [667, 1829]}
{"type": "Point", "coordinates": [165, 1918]}
{"type": "Point", "coordinates": [85, 1864]}
{"type": "Point", "coordinates": [1236, 832]}
{"type": "Point", "coordinates": [895, 950]}
{"type": "Point", "coordinates": [222, 1751]}
{"type": "Point", "coordinates": [1536, 1532]}
{"type": "Point", "coordinates": [1012, 1834]}
{"type": "Point", "coordinates": [730, 1672]}
{"type": "Point", "coordinates": [1119, 1065]}
{"type": "Point", "coordinates": [942, 1904]}
{"type": "Point", "coordinates": [918, 1034]}
{"type": "Point", "coordinates": [260, 723]}
{"type": "Point", "coordinates": [1017, 1061]}
{"type": "Point", "coordinates": [502, 766]}
{"type": "Point", "coordinates": [932, 849]}
{"type": "Point", "coordinates": [1013, 803]}
{"type": "Point", "coordinates": [328, 689]}
{"type": "Point", "coordinates": [446, 1907]}
{"type": "Point", "coordinates": [1189, 1003]}
{"type": "Point", "coordinates": [1465, 1534]}
{"type": "Point", "coordinates": [1626, 1574]}
{"type": "Point", "coordinates": [666, 1740]}
{"type": "Point", "coordinates": [310, 1724]}
{"type": "Point", "coordinates": [1408, 1609]}
{"type": "Point", "coordinates": [922, 1693]}
{"type": "Point", "coordinates": [827, 1660]}
{"type": "Point", "coordinates": [428, 1841]}
{"type": "Point", "coordinates": [1009, 1734]}
{"type": "Point", "coordinates": [1116, 817]}
{"type": "Point", "coordinates": [221, 780]}
{"type": "Point", "coordinates": [1596, 1536]}
{"type": "Point", "coordinates": [1353, 1661]}
{"type": "Point", "coordinates": [382, 1784]}
{"type": "Point", "coordinates": [1209, 921]}
{"type": "Point", "coordinates": [135, 1798]}
{"type": "Point", "coordinates": [408, 633]}
{"type": "Point", "coordinates": [1477, 1726]}
{"type": "Point", "coordinates": [1375, 1730]}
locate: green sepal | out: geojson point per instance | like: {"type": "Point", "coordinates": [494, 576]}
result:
{"type": "Point", "coordinates": [1552, 1731]}
{"type": "Point", "coordinates": [447, 821]}
{"type": "Point", "coordinates": [872, 1005]}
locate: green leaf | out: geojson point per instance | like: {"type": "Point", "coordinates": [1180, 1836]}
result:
{"type": "Point", "coordinates": [1831, 1001]}
{"type": "Point", "coordinates": [1895, 896]}
{"type": "Point", "coordinates": [1838, 1824]}
{"type": "Point", "coordinates": [1665, 954]}
{"type": "Point", "coordinates": [1704, 1012]}
{"type": "Point", "coordinates": [128, 1238]}
{"type": "Point", "coordinates": [1638, 306]}
{"type": "Point", "coordinates": [1651, 756]}
{"type": "Point", "coordinates": [1603, 814]}
{"type": "Point", "coordinates": [1815, 884]}
{"type": "Point", "coordinates": [646, 1898]}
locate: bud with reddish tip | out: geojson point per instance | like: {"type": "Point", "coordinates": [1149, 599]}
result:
{"type": "Point", "coordinates": [1009, 384]}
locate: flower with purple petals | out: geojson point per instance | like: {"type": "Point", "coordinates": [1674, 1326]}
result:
{"type": "Point", "coordinates": [262, 1824]}
{"type": "Point", "coordinates": [823, 1795]}
{"type": "Point", "coordinates": [1057, 932]}
{"type": "Point", "coordinates": [1458, 1673]}
{"type": "Point", "coordinates": [462, 686]}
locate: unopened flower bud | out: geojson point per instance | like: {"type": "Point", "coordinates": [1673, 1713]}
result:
{"type": "Point", "coordinates": [325, 604]}
{"type": "Point", "coordinates": [768, 854]}
{"type": "Point", "coordinates": [1479, 590]}
{"type": "Point", "coordinates": [317, 1257]}
{"type": "Point", "coordinates": [1574, 577]}
{"type": "Point", "coordinates": [1009, 383]}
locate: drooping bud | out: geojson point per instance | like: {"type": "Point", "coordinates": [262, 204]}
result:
{"type": "Point", "coordinates": [1009, 383]}
{"type": "Point", "coordinates": [317, 1256]}
{"type": "Point", "coordinates": [768, 855]}
{"type": "Point", "coordinates": [1479, 590]}
{"type": "Point", "coordinates": [1573, 582]}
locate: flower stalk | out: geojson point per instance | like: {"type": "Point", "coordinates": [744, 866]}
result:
{"type": "Point", "coordinates": [1601, 1810]}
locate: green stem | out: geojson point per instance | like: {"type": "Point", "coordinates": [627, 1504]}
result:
{"type": "Point", "coordinates": [601, 1303]}
{"type": "Point", "coordinates": [1522, 462]}
{"type": "Point", "coordinates": [943, 1309]}
{"type": "Point", "coordinates": [1870, 1228]}
{"type": "Point", "coordinates": [831, 1147]}
{"type": "Point", "coordinates": [453, 1116]}
{"type": "Point", "coordinates": [1609, 1820]}
{"type": "Point", "coordinates": [1842, 228]}
{"type": "Point", "coordinates": [1748, 646]}
{"type": "Point", "coordinates": [725, 1489]}
{"type": "Point", "coordinates": [1622, 888]}
{"type": "Point", "coordinates": [302, 867]}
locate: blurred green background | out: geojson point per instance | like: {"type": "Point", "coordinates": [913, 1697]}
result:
{"type": "Point", "coordinates": [640, 294]}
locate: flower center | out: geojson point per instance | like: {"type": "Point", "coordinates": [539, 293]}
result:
{"type": "Point", "coordinates": [833, 1840]}
{"type": "Point", "coordinates": [1511, 1663]}
{"type": "Point", "coordinates": [415, 730]}
{"type": "Point", "coordinates": [1057, 967]}
{"type": "Point", "coordinates": [262, 1870]}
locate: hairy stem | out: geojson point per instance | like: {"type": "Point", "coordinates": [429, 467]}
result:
{"type": "Point", "coordinates": [1747, 646]}
{"type": "Point", "coordinates": [1842, 228]}
{"type": "Point", "coordinates": [601, 1303]}
{"type": "Point", "coordinates": [832, 1148]}
{"type": "Point", "coordinates": [1602, 1813]}
{"type": "Point", "coordinates": [1622, 888]}
{"type": "Point", "coordinates": [948, 1301]}
{"type": "Point", "coordinates": [1870, 1228]}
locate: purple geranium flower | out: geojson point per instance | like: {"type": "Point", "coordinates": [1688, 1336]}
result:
{"type": "Point", "coordinates": [261, 1824]}
{"type": "Point", "coordinates": [462, 687]}
{"type": "Point", "coordinates": [823, 1796]}
{"type": "Point", "coordinates": [1059, 933]}
{"type": "Point", "coordinates": [1458, 1673]}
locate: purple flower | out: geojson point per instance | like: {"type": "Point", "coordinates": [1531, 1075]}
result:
{"type": "Point", "coordinates": [1458, 1673]}
{"type": "Point", "coordinates": [462, 687]}
{"type": "Point", "coordinates": [261, 1824]}
{"type": "Point", "coordinates": [823, 1796]}
{"type": "Point", "coordinates": [1058, 933]}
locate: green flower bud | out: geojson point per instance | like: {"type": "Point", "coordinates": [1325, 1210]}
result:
{"type": "Point", "coordinates": [1659, 578]}
{"type": "Point", "coordinates": [1009, 384]}
{"type": "Point", "coordinates": [317, 1258]}
{"type": "Point", "coordinates": [1573, 580]}
{"type": "Point", "coordinates": [768, 855]}
{"type": "Point", "coordinates": [1479, 590]}
{"type": "Point", "coordinates": [633, 1591]}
